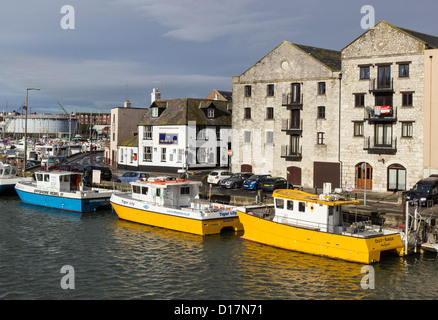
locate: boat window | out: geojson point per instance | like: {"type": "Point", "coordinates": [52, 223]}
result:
{"type": "Point", "coordinates": [39, 177]}
{"type": "Point", "coordinates": [6, 171]}
{"type": "Point", "coordinates": [279, 203]}
{"type": "Point", "coordinates": [330, 210]}
{"type": "Point", "coordinates": [136, 189]}
{"type": "Point", "coordinates": [13, 171]}
{"type": "Point", "coordinates": [185, 190]}
{"type": "Point", "coordinates": [301, 206]}
{"type": "Point", "coordinates": [66, 178]}
{"type": "Point", "coordinates": [290, 205]}
{"type": "Point", "coordinates": [144, 190]}
{"type": "Point", "coordinates": [158, 192]}
{"type": "Point", "coordinates": [1, 171]}
{"type": "Point", "coordinates": [46, 177]}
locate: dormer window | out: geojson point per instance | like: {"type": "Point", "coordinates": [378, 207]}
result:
{"type": "Point", "coordinates": [154, 112]}
{"type": "Point", "coordinates": [210, 113]}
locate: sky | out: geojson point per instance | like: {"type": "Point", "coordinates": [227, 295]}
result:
{"type": "Point", "coordinates": [92, 55]}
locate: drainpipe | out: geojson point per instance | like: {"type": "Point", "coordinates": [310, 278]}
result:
{"type": "Point", "coordinates": [339, 131]}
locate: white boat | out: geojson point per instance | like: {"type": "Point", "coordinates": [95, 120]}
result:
{"type": "Point", "coordinates": [174, 204]}
{"type": "Point", "coordinates": [9, 178]}
{"type": "Point", "coordinates": [62, 190]}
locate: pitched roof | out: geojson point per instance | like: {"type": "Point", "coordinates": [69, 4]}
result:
{"type": "Point", "coordinates": [131, 142]}
{"type": "Point", "coordinates": [330, 58]}
{"type": "Point", "coordinates": [181, 111]}
{"type": "Point", "coordinates": [227, 95]}
{"type": "Point", "coordinates": [429, 40]}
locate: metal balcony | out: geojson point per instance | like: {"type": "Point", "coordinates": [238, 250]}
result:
{"type": "Point", "coordinates": [290, 154]}
{"type": "Point", "coordinates": [370, 145]}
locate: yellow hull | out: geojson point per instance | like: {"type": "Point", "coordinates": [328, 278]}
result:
{"type": "Point", "coordinates": [314, 242]}
{"type": "Point", "coordinates": [200, 227]}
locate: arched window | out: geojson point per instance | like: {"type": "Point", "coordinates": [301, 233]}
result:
{"type": "Point", "coordinates": [396, 177]}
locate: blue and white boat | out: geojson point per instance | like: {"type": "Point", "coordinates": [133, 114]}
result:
{"type": "Point", "coordinates": [9, 178]}
{"type": "Point", "coordinates": [62, 190]}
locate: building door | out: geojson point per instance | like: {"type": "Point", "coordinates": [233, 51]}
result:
{"type": "Point", "coordinates": [326, 172]}
{"type": "Point", "coordinates": [246, 168]}
{"type": "Point", "coordinates": [361, 177]}
{"type": "Point", "coordinates": [294, 175]}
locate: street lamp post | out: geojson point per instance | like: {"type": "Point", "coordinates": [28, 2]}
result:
{"type": "Point", "coordinates": [25, 129]}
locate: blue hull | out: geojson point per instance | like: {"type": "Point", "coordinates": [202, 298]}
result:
{"type": "Point", "coordinates": [77, 205]}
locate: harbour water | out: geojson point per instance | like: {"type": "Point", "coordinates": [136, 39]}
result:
{"type": "Point", "coordinates": [115, 259]}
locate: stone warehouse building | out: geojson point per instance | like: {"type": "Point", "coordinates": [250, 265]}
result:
{"type": "Point", "coordinates": [300, 115]}
{"type": "Point", "coordinates": [286, 115]}
{"type": "Point", "coordinates": [386, 118]}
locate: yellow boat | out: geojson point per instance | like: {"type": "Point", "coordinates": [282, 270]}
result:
{"type": "Point", "coordinates": [313, 224]}
{"type": "Point", "coordinates": [174, 204]}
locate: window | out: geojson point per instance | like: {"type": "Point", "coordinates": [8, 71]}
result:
{"type": "Point", "coordinates": [269, 113]}
{"type": "Point", "coordinates": [136, 189]}
{"type": "Point", "coordinates": [210, 112]}
{"type": "Point", "coordinates": [247, 91]}
{"type": "Point", "coordinates": [396, 177]}
{"type": "Point", "coordinates": [270, 92]}
{"type": "Point", "coordinates": [185, 190]}
{"type": "Point", "coordinates": [403, 70]}
{"type": "Point", "coordinates": [154, 112]}
{"type": "Point", "coordinates": [269, 137]}
{"type": "Point", "coordinates": [247, 136]}
{"type": "Point", "coordinates": [407, 99]}
{"type": "Point", "coordinates": [321, 113]}
{"type": "Point", "coordinates": [320, 138]}
{"type": "Point", "coordinates": [358, 128]}
{"type": "Point", "coordinates": [201, 132]}
{"type": "Point", "coordinates": [147, 154]}
{"type": "Point", "coordinates": [147, 132]}
{"type": "Point", "coordinates": [247, 113]}
{"type": "Point", "coordinates": [321, 87]}
{"type": "Point", "coordinates": [279, 203]}
{"type": "Point", "coordinates": [383, 135]}
{"type": "Point", "coordinates": [364, 72]}
{"type": "Point", "coordinates": [296, 93]}
{"type": "Point", "coordinates": [163, 154]}
{"type": "Point", "coordinates": [301, 206]}
{"type": "Point", "coordinates": [290, 205]}
{"type": "Point", "coordinates": [407, 129]}
{"type": "Point", "coordinates": [384, 77]}
{"type": "Point", "coordinates": [144, 190]}
{"type": "Point", "coordinates": [359, 100]}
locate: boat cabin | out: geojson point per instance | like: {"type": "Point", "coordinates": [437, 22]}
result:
{"type": "Point", "coordinates": [7, 171]}
{"type": "Point", "coordinates": [321, 213]}
{"type": "Point", "coordinates": [163, 192]}
{"type": "Point", "coordinates": [58, 181]}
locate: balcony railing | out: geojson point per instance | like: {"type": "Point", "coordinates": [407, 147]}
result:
{"type": "Point", "coordinates": [291, 127]}
{"type": "Point", "coordinates": [380, 114]}
{"type": "Point", "coordinates": [382, 85]}
{"type": "Point", "coordinates": [291, 154]}
{"type": "Point", "coordinates": [374, 147]}
{"type": "Point", "coordinates": [292, 101]}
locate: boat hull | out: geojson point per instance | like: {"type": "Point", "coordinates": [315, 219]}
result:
{"type": "Point", "coordinates": [336, 246]}
{"type": "Point", "coordinates": [64, 202]}
{"type": "Point", "coordinates": [154, 216]}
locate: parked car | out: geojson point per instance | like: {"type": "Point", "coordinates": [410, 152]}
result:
{"type": "Point", "coordinates": [105, 173]}
{"type": "Point", "coordinates": [425, 191]}
{"type": "Point", "coordinates": [216, 176]}
{"type": "Point", "coordinates": [253, 182]}
{"type": "Point", "coordinates": [236, 180]}
{"type": "Point", "coordinates": [132, 176]}
{"type": "Point", "coordinates": [272, 183]}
